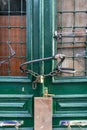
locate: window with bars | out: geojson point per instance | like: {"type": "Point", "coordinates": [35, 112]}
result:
{"type": "Point", "coordinates": [12, 36]}
{"type": "Point", "coordinates": [72, 35]}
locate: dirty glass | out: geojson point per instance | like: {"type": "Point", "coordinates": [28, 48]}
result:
{"type": "Point", "coordinates": [12, 36]}
{"type": "Point", "coordinates": [72, 24]}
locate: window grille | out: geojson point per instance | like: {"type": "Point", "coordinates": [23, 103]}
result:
{"type": "Point", "coordinates": [12, 33]}
{"type": "Point", "coordinates": [72, 31]}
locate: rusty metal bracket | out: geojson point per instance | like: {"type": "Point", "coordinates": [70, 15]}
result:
{"type": "Point", "coordinates": [59, 35]}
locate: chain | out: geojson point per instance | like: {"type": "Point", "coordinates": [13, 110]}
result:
{"type": "Point", "coordinates": [32, 73]}
{"type": "Point", "coordinates": [39, 78]}
{"type": "Point", "coordinates": [53, 73]}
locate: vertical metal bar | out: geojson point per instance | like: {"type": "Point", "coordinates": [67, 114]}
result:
{"type": "Point", "coordinates": [21, 27]}
{"type": "Point", "coordinates": [61, 24]}
{"type": "Point", "coordinates": [21, 20]}
{"type": "Point", "coordinates": [74, 15]}
{"type": "Point", "coordinates": [60, 41]}
{"type": "Point", "coordinates": [61, 9]}
{"type": "Point", "coordinates": [86, 53]}
{"type": "Point", "coordinates": [9, 34]}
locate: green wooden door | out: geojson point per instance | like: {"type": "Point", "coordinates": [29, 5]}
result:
{"type": "Point", "coordinates": [69, 19]}
{"type": "Point", "coordinates": [43, 18]}
{"type": "Point", "coordinates": [18, 28]}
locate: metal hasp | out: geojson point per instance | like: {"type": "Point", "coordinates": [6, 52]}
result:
{"type": "Point", "coordinates": [46, 94]}
{"type": "Point", "coordinates": [59, 35]}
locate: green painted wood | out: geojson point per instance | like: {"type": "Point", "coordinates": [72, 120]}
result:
{"type": "Point", "coordinates": [15, 96]}
{"type": "Point", "coordinates": [16, 93]}
{"type": "Point", "coordinates": [71, 114]}
{"type": "Point", "coordinates": [15, 128]}
{"type": "Point", "coordinates": [69, 79]}
{"type": "Point", "coordinates": [16, 114]}
{"type": "Point", "coordinates": [73, 104]}
{"type": "Point", "coordinates": [20, 79]}
{"type": "Point", "coordinates": [71, 96]}
{"type": "Point", "coordinates": [11, 104]}
{"type": "Point", "coordinates": [70, 106]}
{"type": "Point", "coordinates": [70, 100]}
{"type": "Point", "coordinates": [75, 128]}
{"type": "Point", "coordinates": [16, 105]}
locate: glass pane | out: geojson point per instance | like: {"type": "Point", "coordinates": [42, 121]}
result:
{"type": "Point", "coordinates": [72, 25]}
{"type": "Point", "coordinates": [13, 34]}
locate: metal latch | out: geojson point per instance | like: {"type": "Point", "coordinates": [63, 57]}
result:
{"type": "Point", "coordinates": [46, 94]}
{"type": "Point", "coordinates": [59, 35]}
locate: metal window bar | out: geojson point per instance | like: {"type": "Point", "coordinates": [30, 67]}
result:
{"type": "Point", "coordinates": [74, 23]}
{"type": "Point", "coordinates": [9, 41]}
{"type": "Point", "coordinates": [21, 31]}
{"type": "Point", "coordinates": [86, 53]}
{"type": "Point", "coordinates": [76, 46]}
{"type": "Point", "coordinates": [13, 37]}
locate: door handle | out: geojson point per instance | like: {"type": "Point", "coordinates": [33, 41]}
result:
{"type": "Point", "coordinates": [11, 123]}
